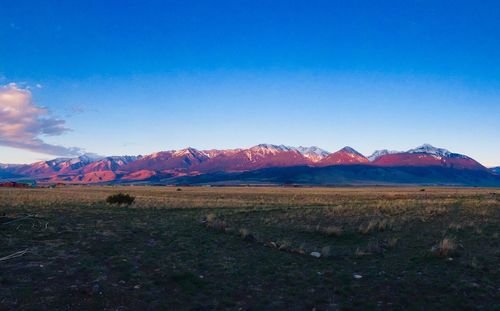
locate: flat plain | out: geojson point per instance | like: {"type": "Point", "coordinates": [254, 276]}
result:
{"type": "Point", "coordinates": [239, 248]}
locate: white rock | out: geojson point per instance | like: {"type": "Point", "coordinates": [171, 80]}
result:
{"type": "Point", "coordinates": [357, 276]}
{"type": "Point", "coordinates": [315, 254]}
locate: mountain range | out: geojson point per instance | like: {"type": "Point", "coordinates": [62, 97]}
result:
{"type": "Point", "coordinates": [264, 164]}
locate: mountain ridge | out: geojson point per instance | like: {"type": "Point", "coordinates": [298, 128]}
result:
{"type": "Point", "coordinates": [188, 162]}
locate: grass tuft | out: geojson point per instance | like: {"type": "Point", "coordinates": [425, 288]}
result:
{"type": "Point", "coordinates": [445, 248]}
{"type": "Point", "coordinates": [246, 235]}
{"type": "Point", "coordinates": [333, 231]}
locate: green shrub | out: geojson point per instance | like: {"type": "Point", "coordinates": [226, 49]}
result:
{"type": "Point", "coordinates": [120, 199]}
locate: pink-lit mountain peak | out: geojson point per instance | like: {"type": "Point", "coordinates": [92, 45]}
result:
{"type": "Point", "coordinates": [346, 155]}
{"type": "Point", "coordinates": [191, 161]}
{"type": "Point", "coordinates": [428, 155]}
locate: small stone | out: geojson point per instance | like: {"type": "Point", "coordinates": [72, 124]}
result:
{"type": "Point", "coordinates": [357, 276]}
{"type": "Point", "coordinates": [137, 286]}
{"type": "Point", "coordinates": [315, 254]}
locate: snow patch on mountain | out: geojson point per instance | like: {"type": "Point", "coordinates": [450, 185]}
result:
{"type": "Point", "coordinates": [212, 153]}
{"type": "Point", "coordinates": [187, 152]}
{"type": "Point", "coordinates": [311, 150]}
{"type": "Point", "coordinates": [351, 151]}
{"type": "Point", "coordinates": [429, 149]}
{"type": "Point", "coordinates": [122, 160]}
{"type": "Point", "coordinates": [378, 153]}
{"type": "Point", "coordinates": [436, 152]}
{"type": "Point", "coordinates": [86, 158]}
{"type": "Point", "coordinates": [271, 147]}
{"type": "Point", "coordinates": [313, 153]}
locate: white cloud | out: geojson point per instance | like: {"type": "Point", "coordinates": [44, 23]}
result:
{"type": "Point", "coordinates": [22, 123]}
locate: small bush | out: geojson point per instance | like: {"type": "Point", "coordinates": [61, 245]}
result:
{"type": "Point", "coordinates": [120, 199]}
{"type": "Point", "coordinates": [333, 231]}
{"type": "Point", "coordinates": [455, 226]}
{"type": "Point", "coordinates": [246, 235]}
{"type": "Point", "coordinates": [445, 248]}
{"type": "Point", "coordinates": [212, 222]}
{"type": "Point", "coordinates": [210, 217]}
{"type": "Point", "coordinates": [218, 225]}
{"type": "Point", "coordinates": [360, 252]}
{"type": "Point", "coordinates": [375, 225]}
{"type": "Point", "coordinates": [284, 245]}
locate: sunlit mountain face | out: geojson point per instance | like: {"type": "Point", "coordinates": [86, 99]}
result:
{"type": "Point", "coordinates": [169, 166]}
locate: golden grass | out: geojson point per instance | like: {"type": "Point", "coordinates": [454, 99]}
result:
{"type": "Point", "coordinates": [375, 225]}
{"type": "Point", "coordinates": [384, 200]}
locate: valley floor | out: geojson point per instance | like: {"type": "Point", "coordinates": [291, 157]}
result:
{"type": "Point", "coordinates": [250, 248]}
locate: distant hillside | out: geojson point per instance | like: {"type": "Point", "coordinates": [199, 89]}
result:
{"type": "Point", "coordinates": [349, 175]}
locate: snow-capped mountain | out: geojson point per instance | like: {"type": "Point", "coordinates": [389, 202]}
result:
{"type": "Point", "coordinates": [256, 157]}
{"type": "Point", "coordinates": [313, 153]}
{"type": "Point", "coordinates": [267, 149]}
{"type": "Point", "coordinates": [427, 155]}
{"type": "Point", "coordinates": [168, 160]}
{"type": "Point", "coordinates": [438, 152]}
{"type": "Point", "coordinates": [378, 153]}
{"type": "Point", "coordinates": [112, 163]}
{"type": "Point", "coordinates": [84, 158]}
{"type": "Point", "coordinates": [212, 153]}
{"type": "Point", "coordinates": [91, 168]}
{"type": "Point", "coordinates": [69, 164]}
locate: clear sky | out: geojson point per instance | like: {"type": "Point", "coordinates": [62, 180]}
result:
{"type": "Point", "coordinates": [135, 77]}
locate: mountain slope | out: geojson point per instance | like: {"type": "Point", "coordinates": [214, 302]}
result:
{"type": "Point", "coordinates": [348, 175]}
{"type": "Point", "coordinates": [427, 155]}
{"type": "Point", "coordinates": [346, 155]}
{"type": "Point", "coordinates": [180, 160]}
{"type": "Point", "coordinates": [378, 153]}
{"type": "Point", "coordinates": [424, 164]}
{"type": "Point", "coordinates": [260, 156]}
{"type": "Point", "coordinates": [315, 154]}
{"type": "Point", "coordinates": [113, 163]}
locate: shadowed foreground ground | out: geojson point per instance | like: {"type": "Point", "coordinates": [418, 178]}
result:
{"type": "Point", "coordinates": [250, 248]}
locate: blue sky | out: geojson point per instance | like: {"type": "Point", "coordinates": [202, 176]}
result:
{"type": "Point", "coordinates": [134, 77]}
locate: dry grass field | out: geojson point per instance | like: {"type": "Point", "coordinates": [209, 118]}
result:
{"type": "Point", "coordinates": [250, 248]}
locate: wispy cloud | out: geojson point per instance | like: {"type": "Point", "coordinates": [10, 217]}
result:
{"type": "Point", "coordinates": [22, 123]}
